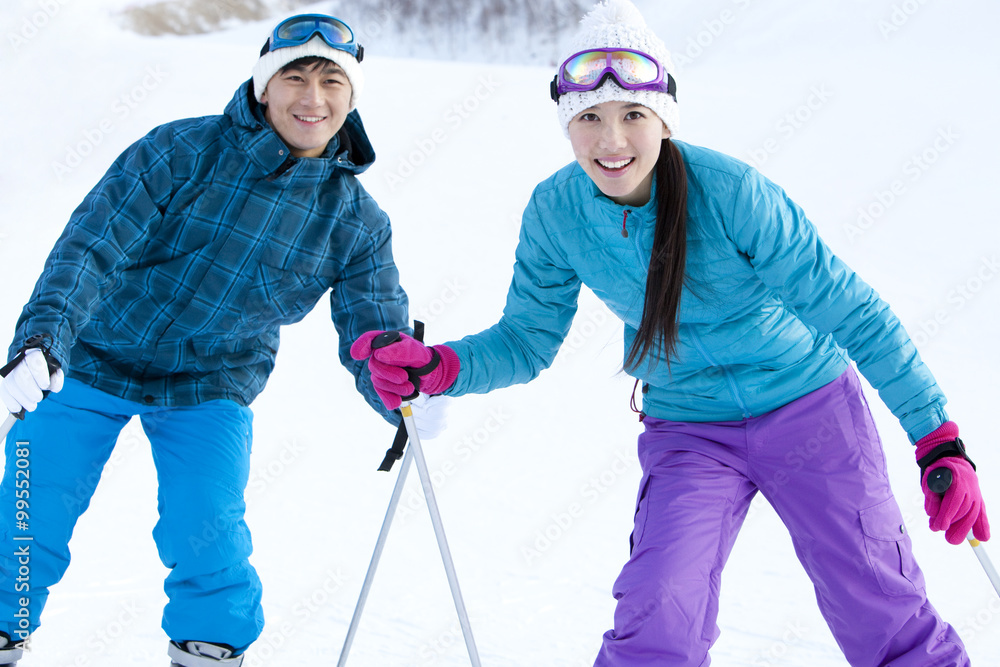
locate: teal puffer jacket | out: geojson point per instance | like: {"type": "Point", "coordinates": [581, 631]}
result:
{"type": "Point", "coordinates": [768, 312]}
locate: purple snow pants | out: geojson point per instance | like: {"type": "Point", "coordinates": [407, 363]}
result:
{"type": "Point", "coordinates": [819, 462]}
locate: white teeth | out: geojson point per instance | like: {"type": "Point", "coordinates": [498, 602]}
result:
{"type": "Point", "coordinates": [310, 119]}
{"type": "Point", "coordinates": [617, 164]}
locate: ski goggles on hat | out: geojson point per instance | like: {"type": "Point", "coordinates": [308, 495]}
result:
{"type": "Point", "coordinates": [300, 29]}
{"type": "Point", "coordinates": [632, 70]}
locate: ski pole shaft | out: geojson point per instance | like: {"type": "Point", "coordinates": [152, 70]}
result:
{"type": "Point", "coordinates": [939, 480]}
{"type": "Point", "coordinates": [397, 492]}
{"type": "Point", "coordinates": [449, 565]}
{"type": "Point", "coordinates": [984, 560]}
{"type": "Point", "coordinates": [7, 424]}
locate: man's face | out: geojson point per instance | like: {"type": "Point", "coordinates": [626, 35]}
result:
{"type": "Point", "coordinates": [307, 106]}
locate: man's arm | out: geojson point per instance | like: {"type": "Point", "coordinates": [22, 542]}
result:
{"type": "Point", "coordinates": [367, 296]}
{"type": "Point", "coordinates": [110, 226]}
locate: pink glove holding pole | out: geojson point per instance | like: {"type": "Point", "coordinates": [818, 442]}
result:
{"type": "Point", "coordinates": [959, 509]}
{"type": "Point", "coordinates": [402, 366]}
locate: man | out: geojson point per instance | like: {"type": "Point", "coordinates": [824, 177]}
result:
{"type": "Point", "coordinates": [163, 298]}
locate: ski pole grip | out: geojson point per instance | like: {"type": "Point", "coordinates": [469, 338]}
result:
{"type": "Point", "coordinates": [41, 342]}
{"type": "Point", "coordinates": [939, 480]}
{"type": "Point", "coordinates": [387, 338]}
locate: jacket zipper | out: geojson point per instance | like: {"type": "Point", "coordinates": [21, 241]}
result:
{"type": "Point", "coordinates": [730, 379]}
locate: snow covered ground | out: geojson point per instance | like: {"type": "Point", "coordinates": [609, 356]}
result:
{"type": "Point", "coordinates": [878, 116]}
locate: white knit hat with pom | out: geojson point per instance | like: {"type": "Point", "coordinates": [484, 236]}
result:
{"type": "Point", "coordinates": [618, 24]}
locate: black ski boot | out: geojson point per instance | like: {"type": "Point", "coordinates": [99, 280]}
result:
{"type": "Point", "coordinates": [201, 654]}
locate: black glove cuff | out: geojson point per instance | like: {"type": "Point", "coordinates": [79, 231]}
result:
{"type": "Point", "coordinates": [40, 342]}
{"type": "Point", "coordinates": [955, 448]}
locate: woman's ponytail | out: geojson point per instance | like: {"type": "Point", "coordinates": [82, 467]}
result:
{"type": "Point", "coordinates": [657, 332]}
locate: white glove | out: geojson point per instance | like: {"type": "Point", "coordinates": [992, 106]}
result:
{"type": "Point", "coordinates": [430, 413]}
{"type": "Point", "coordinates": [23, 386]}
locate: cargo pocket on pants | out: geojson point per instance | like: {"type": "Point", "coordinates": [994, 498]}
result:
{"type": "Point", "coordinates": [889, 551]}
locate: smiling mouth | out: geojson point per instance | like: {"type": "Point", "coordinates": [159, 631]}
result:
{"type": "Point", "coordinates": [615, 165]}
{"type": "Point", "coordinates": [311, 119]}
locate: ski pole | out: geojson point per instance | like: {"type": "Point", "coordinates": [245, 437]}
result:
{"type": "Point", "coordinates": [413, 452]}
{"type": "Point", "coordinates": [938, 481]}
{"type": "Point", "coordinates": [7, 424]}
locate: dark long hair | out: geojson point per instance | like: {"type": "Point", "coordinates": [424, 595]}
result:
{"type": "Point", "coordinates": [657, 330]}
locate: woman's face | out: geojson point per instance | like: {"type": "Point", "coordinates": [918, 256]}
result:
{"type": "Point", "coordinates": [617, 144]}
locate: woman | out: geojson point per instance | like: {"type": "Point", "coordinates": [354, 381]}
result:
{"type": "Point", "coordinates": [741, 325]}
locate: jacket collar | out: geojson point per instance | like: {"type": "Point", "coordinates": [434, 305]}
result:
{"type": "Point", "coordinates": [604, 203]}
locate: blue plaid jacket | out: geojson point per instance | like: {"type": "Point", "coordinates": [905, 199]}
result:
{"type": "Point", "coordinates": [172, 278]}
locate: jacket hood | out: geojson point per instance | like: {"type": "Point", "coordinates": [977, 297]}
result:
{"type": "Point", "coordinates": [350, 149]}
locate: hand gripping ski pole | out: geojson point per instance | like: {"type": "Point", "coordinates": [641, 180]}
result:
{"type": "Point", "coordinates": [938, 481]}
{"type": "Point", "coordinates": [413, 453]}
{"type": "Point", "coordinates": [42, 342]}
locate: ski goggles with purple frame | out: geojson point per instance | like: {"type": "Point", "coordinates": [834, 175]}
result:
{"type": "Point", "coordinates": [632, 70]}
{"type": "Point", "coordinates": [300, 29]}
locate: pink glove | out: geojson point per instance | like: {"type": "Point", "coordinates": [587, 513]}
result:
{"type": "Point", "coordinates": [401, 366]}
{"type": "Point", "coordinates": [959, 509]}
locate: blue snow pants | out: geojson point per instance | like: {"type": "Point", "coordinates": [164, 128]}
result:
{"type": "Point", "coordinates": [819, 462]}
{"type": "Point", "coordinates": [202, 458]}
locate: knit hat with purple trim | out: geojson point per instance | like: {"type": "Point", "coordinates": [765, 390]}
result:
{"type": "Point", "coordinates": [618, 24]}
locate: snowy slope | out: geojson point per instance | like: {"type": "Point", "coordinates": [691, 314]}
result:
{"type": "Point", "coordinates": [880, 107]}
